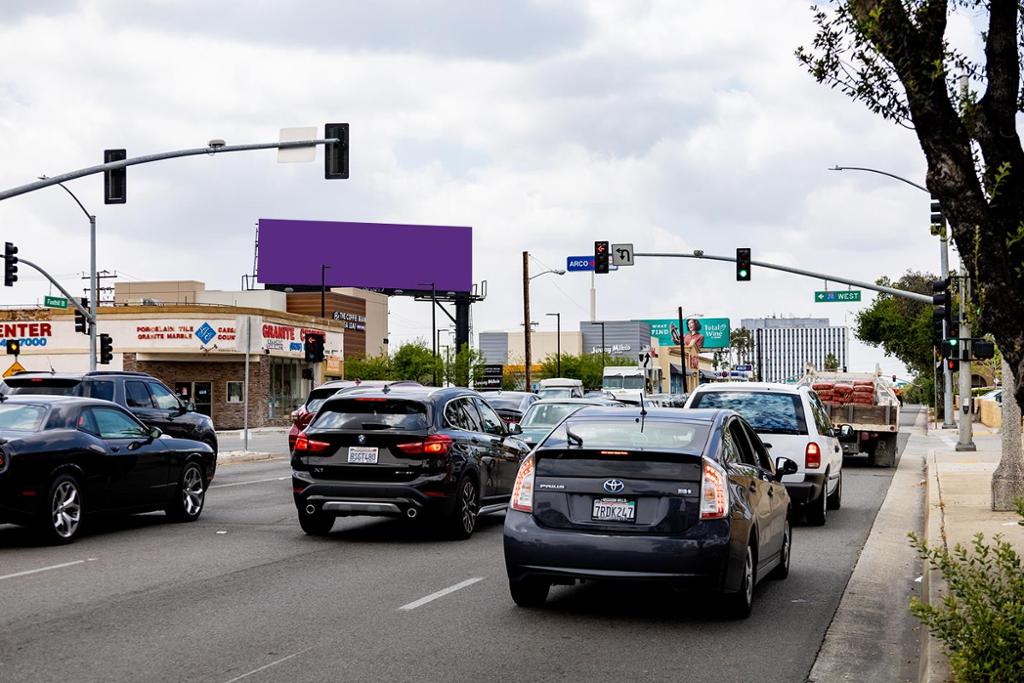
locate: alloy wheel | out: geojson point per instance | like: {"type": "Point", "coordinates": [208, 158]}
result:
{"type": "Point", "coordinates": [748, 576]}
{"type": "Point", "coordinates": [192, 491]}
{"type": "Point", "coordinates": [66, 509]}
{"type": "Point", "coordinates": [468, 503]}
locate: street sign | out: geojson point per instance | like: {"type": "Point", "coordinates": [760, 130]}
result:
{"type": "Point", "coordinates": [840, 295]}
{"type": "Point", "coordinates": [55, 302]}
{"type": "Point", "coordinates": [575, 264]}
{"type": "Point", "coordinates": [15, 368]}
{"type": "Point", "coordinates": [644, 358]}
{"type": "Point", "coordinates": [744, 367]}
{"type": "Point", "coordinates": [622, 254]}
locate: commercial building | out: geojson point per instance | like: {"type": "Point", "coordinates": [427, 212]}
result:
{"type": "Point", "coordinates": [784, 346]}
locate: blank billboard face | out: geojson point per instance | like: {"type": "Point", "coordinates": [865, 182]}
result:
{"type": "Point", "coordinates": [368, 255]}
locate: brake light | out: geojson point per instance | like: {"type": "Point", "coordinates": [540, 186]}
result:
{"type": "Point", "coordinates": [435, 444]}
{"type": "Point", "coordinates": [522, 492]}
{"type": "Point", "coordinates": [304, 444]}
{"type": "Point", "coordinates": [370, 398]}
{"type": "Point", "coordinates": [714, 493]}
{"type": "Point", "coordinates": [812, 456]}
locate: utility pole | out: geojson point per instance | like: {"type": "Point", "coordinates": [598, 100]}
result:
{"type": "Point", "coordinates": [526, 318]}
{"type": "Point", "coordinates": [433, 324]}
{"type": "Point", "coordinates": [558, 342]}
{"type": "Point", "coordinates": [966, 441]}
{"type": "Point", "coordinates": [593, 297]}
{"type": "Point", "coordinates": [947, 374]}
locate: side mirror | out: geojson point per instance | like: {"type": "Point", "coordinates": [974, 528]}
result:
{"type": "Point", "coordinates": [766, 445]}
{"type": "Point", "coordinates": [784, 466]}
{"type": "Point", "coordinates": [190, 406]}
{"type": "Point", "coordinates": [155, 433]}
{"type": "Point", "coordinates": [514, 429]}
{"type": "Point", "coordinates": [846, 433]}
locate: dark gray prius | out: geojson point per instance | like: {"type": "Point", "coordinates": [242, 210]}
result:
{"type": "Point", "coordinates": [678, 496]}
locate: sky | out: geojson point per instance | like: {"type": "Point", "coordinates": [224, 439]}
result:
{"type": "Point", "coordinates": [543, 125]}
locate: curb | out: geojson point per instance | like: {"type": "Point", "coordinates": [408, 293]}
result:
{"type": "Point", "coordinates": [236, 457]}
{"type": "Point", "coordinates": [934, 665]}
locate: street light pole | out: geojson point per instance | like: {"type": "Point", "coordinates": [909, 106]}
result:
{"type": "Point", "coordinates": [526, 320]}
{"type": "Point", "coordinates": [558, 341]}
{"type": "Point", "coordinates": [603, 359]}
{"type": "Point", "coordinates": [966, 440]}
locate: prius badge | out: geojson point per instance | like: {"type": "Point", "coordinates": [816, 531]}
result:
{"type": "Point", "coordinates": [614, 486]}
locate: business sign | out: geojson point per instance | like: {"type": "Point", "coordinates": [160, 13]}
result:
{"type": "Point", "coordinates": [370, 255]}
{"type": "Point", "coordinates": [711, 333]}
{"type": "Point", "coordinates": [352, 321]}
{"type": "Point", "coordinates": [579, 263]}
{"type": "Point", "coordinates": [30, 334]}
{"type": "Point", "coordinates": [205, 333]}
{"type": "Point", "coordinates": [840, 295]}
{"type": "Point", "coordinates": [492, 377]}
{"type": "Point", "coordinates": [744, 367]}
{"type": "Point", "coordinates": [55, 302]}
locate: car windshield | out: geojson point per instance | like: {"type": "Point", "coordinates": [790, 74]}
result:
{"type": "Point", "coordinates": [767, 412]}
{"type": "Point", "coordinates": [547, 414]}
{"type": "Point", "coordinates": [21, 418]}
{"type": "Point", "coordinates": [634, 434]}
{"type": "Point", "coordinates": [555, 392]}
{"type": "Point", "coordinates": [620, 382]}
{"type": "Point", "coordinates": [505, 402]}
{"type": "Point", "coordinates": [363, 414]}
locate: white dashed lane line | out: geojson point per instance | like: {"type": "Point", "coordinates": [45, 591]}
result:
{"type": "Point", "coordinates": [246, 483]}
{"type": "Point", "coordinates": [441, 593]}
{"type": "Point", "coordinates": [45, 569]}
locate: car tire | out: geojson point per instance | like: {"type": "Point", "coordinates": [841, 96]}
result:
{"type": "Point", "coordinates": [190, 495]}
{"type": "Point", "coordinates": [529, 592]}
{"type": "Point", "coordinates": [741, 603]}
{"type": "Point", "coordinates": [835, 500]}
{"type": "Point", "coordinates": [60, 520]}
{"type": "Point", "coordinates": [461, 523]}
{"type": "Point", "coordinates": [316, 524]}
{"type": "Point", "coordinates": [782, 570]}
{"type": "Point", "coordinates": [817, 509]}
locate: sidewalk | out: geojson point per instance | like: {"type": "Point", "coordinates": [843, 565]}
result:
{"type": "Point", "coordinates": [265, 443]}
{"type": "Point", "coordinates": [958, 507]}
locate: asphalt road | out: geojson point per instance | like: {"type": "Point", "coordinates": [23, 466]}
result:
{"type": "Point", "coordinates": [244, 594]}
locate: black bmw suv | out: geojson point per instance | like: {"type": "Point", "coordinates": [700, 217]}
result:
{"type": "Point", "coordinates": [141, 394]}
{"type": "Point", "coordinates": [404, 451]}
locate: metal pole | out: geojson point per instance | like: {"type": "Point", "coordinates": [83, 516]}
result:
{"type": "Point", "coordinates": [245, 384]}
{"type": "Point", "coordinates": [433, 324]}
{"type": "Point", "coordinates": [558, 341]}
{"type": "Point", "coordinates": [966, 441]}
{"type": "Point", "coordinates": [526, 319]}
{"type": "Point", "coordinates": [593, 297]}
{"type": "Point", "coordinates": [603, 360]}
{"type": "Point", "coordinates": [947, 374]}
{"type": "Point", "coordinates": [94, 293]}
{"type": "Point", "coordinates": [323, 290]}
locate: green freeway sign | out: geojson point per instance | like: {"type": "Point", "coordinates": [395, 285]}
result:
{"type": "Point", "coordinates": [55, 302]}
{"type": "Point", "coordinates": [848, 295]}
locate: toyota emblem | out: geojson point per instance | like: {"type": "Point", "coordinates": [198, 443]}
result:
{"type": "Point", "coordinates": [614, 486]}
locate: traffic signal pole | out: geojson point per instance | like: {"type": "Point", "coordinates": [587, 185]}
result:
{"type": "Point", "coordinates": [947, 374]}
{"type": "Point", "coordinates": [67, 295]}
{"type": "Point", "coordinates": [964, 348]}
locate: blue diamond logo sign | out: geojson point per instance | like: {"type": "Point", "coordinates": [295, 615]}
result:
{"type": "Point", "coordinates": [206, 333]}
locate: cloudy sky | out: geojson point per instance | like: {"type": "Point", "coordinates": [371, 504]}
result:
{"type": "Point", "coordinates": [544, 125]}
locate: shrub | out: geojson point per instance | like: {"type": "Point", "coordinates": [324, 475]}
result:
{"type": "Point", "coordinates": [980, 621]}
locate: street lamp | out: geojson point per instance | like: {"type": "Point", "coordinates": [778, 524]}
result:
{"type": "Point", "coordinates": [558, 341]}
{"type": "Point", "coordinates": [603, 361]}
{"type": "Point", "coordinates": [93, 287]}
{"type": "Point", "coordinates": [526, 312]}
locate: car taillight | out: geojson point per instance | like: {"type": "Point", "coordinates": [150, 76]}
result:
{"type": "Point", "coordinates": [714, 492]}
{"type": "Point", "coordinates": [435, 444]}
{"type": "Point", "coordinates": [812, 456]}
{"type": "Point", "coordinates": [304, 444]}
{"type": "Point", "coordinates": [522, 492]}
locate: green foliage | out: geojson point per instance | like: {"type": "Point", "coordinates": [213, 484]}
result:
{"type": "Point", "coordinates": [464, 366]}
{"type": "Point", "coordinates": [903, 328]}
{"type": "Point", "coordinates": [371, 367]}
{"type": "Point", "coordinates": [416, 361]}
{"type": "Point", "coordinates": [831, 362]}
{"type": "Point", "coordinates": [980, 621]}
{"type": "Point", "coordinates": [588, 367]}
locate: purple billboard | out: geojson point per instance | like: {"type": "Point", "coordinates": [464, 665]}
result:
{"type": "Point", "coordinates": [369, 255]}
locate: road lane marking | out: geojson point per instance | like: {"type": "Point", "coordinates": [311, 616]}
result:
{"type": "Point", "coordinates": [245, 483]}
{"type": "Point", "coordinates": [45, 569]}
{"type": "Point", "coordinates": [441, 593]}
{"type": "Point", "coordinates": [267, 666]}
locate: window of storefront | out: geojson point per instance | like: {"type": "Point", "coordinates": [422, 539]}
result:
{"type": "Point", "coordinates": [287, 388]}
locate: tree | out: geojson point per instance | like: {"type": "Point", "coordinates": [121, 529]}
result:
{"type": "Point", "coordinates": [416, 362]}
{"type": "Point", "coordinates": [901, 327]}
{"type": "Point", "coordinates": [892, 55]}
{"type": "Point", "coordinates": [466, 365]}
{"type": "Point", "coordinates": [742, 342]}
{"type": "Point", "coordinates": [588, 367]}
{"type": "Point", "coordinates": [831, 362]}
{"type": "Point", "coordinates": [371, 367]}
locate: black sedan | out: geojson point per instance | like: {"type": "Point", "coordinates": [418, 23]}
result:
{"type": "Point", "coordinates": [511, 405]}
{"type": "Point", "coordinates": [64, 459]}
{"type": "Point", "coordinates": [678, 496]}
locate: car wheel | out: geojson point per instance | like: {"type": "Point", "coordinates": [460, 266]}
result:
{"type": "Point", "coordinates": [462, 522]}
{"type": "Point", "coordinates": [782, 571]}
{"type": "Point", "coordinates": [529, 592]}
{"type": "Point", "coordinates": [817, 510]}
{"type": "Point", "coordinates": [742, 601]}
{"type": "Point", "coordinates": [316, 524]}
{"type": "Point", "coordinates": [835, 500]}
{"type": "Point", "coordinates": [191, 495]}
{"type": "Point", "coordinates": [61, 520]}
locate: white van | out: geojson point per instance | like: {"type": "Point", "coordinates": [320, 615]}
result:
{"type": "Point", "coordinates": [626, 383]}
{"type": "Point", "coordinates": [796, 424]}
{"type": "Point", "coordinates": [560, 387]}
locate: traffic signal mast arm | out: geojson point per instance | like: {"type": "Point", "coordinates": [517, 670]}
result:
{"type": "Point", "coordinates": [114, 165]}
{"type": "Point", "coordinates": [798, 271]}
{"type": "Point", "coordinates": [67, 295]}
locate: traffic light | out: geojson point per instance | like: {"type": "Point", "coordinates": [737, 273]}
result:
{"type": "Point", "coordinates": [106, 349]}
{"type": "Point", "coordinates": [13, 347]}
{"type": "Point", "coordinates": [953, 364]}
{"type": "Point", "coordinates": [950, 347]}
{"type": "Point", "coordinates": [10, 264]}
{"type": "Point", "coordinates": [81, 323]}
{"type": "Point", "coordinates": [983, 349]}
{"type": "Point", "coordinates": [115, 183]}
{"type": "Point", "coordinates": [600, 257]}
{"type": "Point", "coordinates": [743, 264]}
{"type": "Point", "coordinates": [942, 311]}
{"type": "Point", "coordinates": [938, 221]}
{"type": "Point", "coordinates": [313, 347]}
{"type": "Point", "coordinates": [336, 153]}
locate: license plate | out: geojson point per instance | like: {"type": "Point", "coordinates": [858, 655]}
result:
{"type": "Point", "coordinates": [362, 455]}
{"type": "Point", "coordinates": [614, 510]}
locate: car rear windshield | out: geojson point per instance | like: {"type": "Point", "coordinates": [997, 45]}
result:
{"type": "Point", "coordinates": [21, 418]}
{"type": "Point", "coordinates": [505, 402]}
{"type": "Point", "coordinates": [48, 386]}
{"type": "Point", "coordinates": [317, 398]}
{"type": "Point", "coordinates": [548, 414]}
{"type": "Point", "coordinates": [767, 412]}
{"type": "Point", "coordinates": [363, 414]}
{"type": "Point", "coordinates": [620, 382]}
{"type": "Point", "coordinates": [634, 434]}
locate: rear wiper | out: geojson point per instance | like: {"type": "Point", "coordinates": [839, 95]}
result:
{"type": "Point", "coordinates": [376, 425]}
{"type": "Point", "coordinates": [573, 437]}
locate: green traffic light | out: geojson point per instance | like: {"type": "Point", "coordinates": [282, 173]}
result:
{"type": "Point", "coordinates": [954, 342]}
{"type": "Point", "coordinates": [743, 273]}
